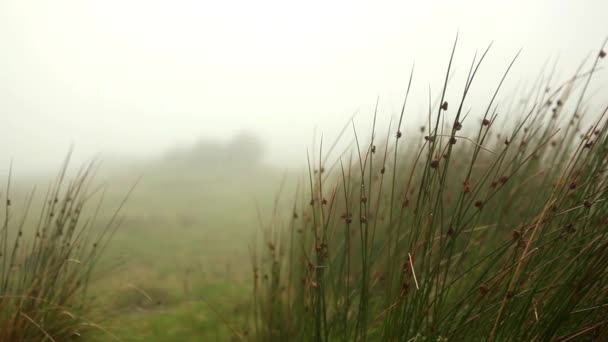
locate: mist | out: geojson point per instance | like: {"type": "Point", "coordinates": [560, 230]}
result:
{"type": "Point", "coordinates": [132, 79]}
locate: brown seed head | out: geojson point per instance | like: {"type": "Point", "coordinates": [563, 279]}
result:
{"type": "Point", "coordinates": [435, 164]}
{"type": "Point", "coordinates": [485, 122]}
{"type": "Point", "coordinates": [483, 289]}
{"type": "Point", "coordinates": [444, 106]}
{"type": "Point", "coordinates": [522, 243]}
{"type": "Point", "coordinates": [570, 228]}
{"type": "Point", "coordinates": [466, 186]}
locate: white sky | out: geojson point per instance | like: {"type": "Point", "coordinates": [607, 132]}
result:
{"type": "Point", "coordinates": [136, 77]}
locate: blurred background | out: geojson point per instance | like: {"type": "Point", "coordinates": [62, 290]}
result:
{"type": "Point", "coordinates": [135, 78]}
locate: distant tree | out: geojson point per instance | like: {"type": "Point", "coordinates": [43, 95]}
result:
{"type": "Point", "coordinates": [244, 149]}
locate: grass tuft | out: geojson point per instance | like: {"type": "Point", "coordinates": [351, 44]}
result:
{"type": "Point", "coordinates": [45, 267]}
{"type": "Point", "coordinates": [466, 231]}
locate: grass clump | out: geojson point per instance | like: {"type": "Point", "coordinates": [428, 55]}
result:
{"type": "Point", "coordinates": [470, 231]}
{"type": "Point", "coordinates": [45, 267]}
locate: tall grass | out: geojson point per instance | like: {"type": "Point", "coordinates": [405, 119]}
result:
{"type": "Point", "coordinates": [45, 267]}
{"type": "Point", "coordinates": [470, 231]}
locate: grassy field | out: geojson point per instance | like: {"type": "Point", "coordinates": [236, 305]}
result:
{"type": "Point", "coordinates": [482, 228]}
{"type": "Point", "coordinates": [179, 266]}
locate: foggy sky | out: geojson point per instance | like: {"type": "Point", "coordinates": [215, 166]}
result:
{"type": "Point", "coordinates": [133, 78]}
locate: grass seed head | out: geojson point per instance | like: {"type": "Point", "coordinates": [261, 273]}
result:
{"type": "Point", "coordinates": [522, 243]}
{"type": "Point", "coordinates": [483, 289]}
{"type": "Point", "coordinates": [466, 186]}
